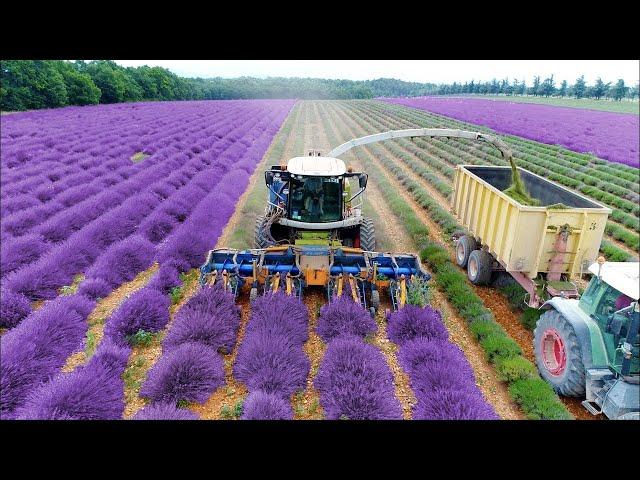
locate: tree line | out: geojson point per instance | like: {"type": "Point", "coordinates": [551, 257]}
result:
{"type": "Point", "coordinates": [544, 88]}
{"type": "Point", "coordinates": [35, 84]}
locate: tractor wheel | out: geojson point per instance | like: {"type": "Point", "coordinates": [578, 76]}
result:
{"type": "Point", "coordinates": [466, 244]}
{"type": "Point", "coordinates": [260, 237]}
{"type": "Point", "coordinates": [558, 354]}
{"type": "Point", "coordinates": [480, 267]}
{"type": "Point", "coordinates": [367, 235]}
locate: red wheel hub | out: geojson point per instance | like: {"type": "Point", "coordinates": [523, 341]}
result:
{"type": "Point", "coordinates": [554, 354]}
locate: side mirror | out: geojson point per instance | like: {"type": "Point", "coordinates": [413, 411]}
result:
{"type": "Point", "coordinates": [362, 180]}
{"type": "Point", "coordinates": [268, 178]}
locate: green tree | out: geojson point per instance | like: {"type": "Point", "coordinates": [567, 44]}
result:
{"type": "Point", "coordinates": [108, 79]}
{"type": "Point", "coordinates": [535, 88]}
{"type": "Point", "coordinates": [547, 88]}
{"type": "Point", "coordinates": [600, 89]}
{"type": "Point", "coordinates": [562, 91]}
{"type": "Point", "coordinates": [619, 90]}
{"type": "Point", "coordinates": [580, 87]}
{"type": "Point", "coordinates": [31, 84]}
{"type": "Point", "coordinates": [80, 88]}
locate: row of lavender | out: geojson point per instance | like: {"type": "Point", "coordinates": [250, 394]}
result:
{"type": "Point", "coordinates": [608, 135]}
{"type": "Point", "coordinates": [355, 381]}
{"type": "Point", "coordinates": [117, 233]}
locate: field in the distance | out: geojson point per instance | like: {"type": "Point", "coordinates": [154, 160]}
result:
{"type": "Point", "coordinates": [623, 106]}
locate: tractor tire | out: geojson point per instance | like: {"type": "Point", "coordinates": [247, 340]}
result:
{"type": "Point", "coordinates": [367, 235]}
{"type": "Point", "coordinates": [558, 354]}
{"type": "Point", "coordinates": [480, 267]}
{"type": "Point", "coordinates": [465, 245]}
{"type": "Point", "coordinates": [260, 238]}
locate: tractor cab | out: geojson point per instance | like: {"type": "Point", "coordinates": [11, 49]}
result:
{"type": "Point", "coordinates": [610, 300]}
{"type": "Point", "coordinates": [314, 189]}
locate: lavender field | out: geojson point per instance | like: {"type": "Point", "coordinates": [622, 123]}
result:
{"type": "Point", "coordinates": [104, 192]}
{"type": "Point", "coordinates": [607, 135]}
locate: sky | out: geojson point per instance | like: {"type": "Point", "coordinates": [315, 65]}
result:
{"type": "Point", "coordinates": [431, 71]}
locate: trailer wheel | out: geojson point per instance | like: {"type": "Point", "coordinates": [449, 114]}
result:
{"type": "Point", "coordinates": [466, 244]}
{"type": "Point", "coordinates": [558, 354]}
{"type": "Point", "coordinates": [367, 235]}
{"type": "Point", "coordinates": [260, 237]}
{"type": "Point", "coordinates": [480, 267]}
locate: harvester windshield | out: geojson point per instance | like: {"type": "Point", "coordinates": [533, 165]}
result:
{"type": "Point", "coordinates": [315, 199]}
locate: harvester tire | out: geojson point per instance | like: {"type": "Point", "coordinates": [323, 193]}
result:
{"type": "Point", "coordinates": [480, 267]}
{"type": "Point", "coordinates": [558, 354]}
{"type": "Point", "coordinates": [260, 238]}
{"type": "Point", "coordinates": [367, 235]}
{"type": "Point", "coordinates": [466, 244]}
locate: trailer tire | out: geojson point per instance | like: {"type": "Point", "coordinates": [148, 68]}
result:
{"type": "Point", "coordinates": [260, 237]}
{"type": "Point", "coordinates": [480, 267]}
{"type": "Point", "coordinates": [465, 245]}
{"type": "Point", "coordinates": [367, 235]}
{"type": "Point", "coordinates": [558, 354]}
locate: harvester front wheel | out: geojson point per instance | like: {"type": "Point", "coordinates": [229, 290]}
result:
{"type": "Point", "coordinates": [261, 239]}
{"type": "Point", "coordinates": [480, 267]}
{"type": "Point", "coordinates": [558, 354]}
{"type": "Point", "coordinates": [367, 235]}
{"type": "Point", "coordinates": [466, 244]}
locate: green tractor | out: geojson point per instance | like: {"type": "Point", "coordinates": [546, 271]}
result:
{"type": "Point", "coordinates": [589, 347]}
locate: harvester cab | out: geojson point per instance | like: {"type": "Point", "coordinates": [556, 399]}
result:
{"type": "Point", "coordinates": [311, 202]}
{"type": "Point", "coordinates": [589, 347]}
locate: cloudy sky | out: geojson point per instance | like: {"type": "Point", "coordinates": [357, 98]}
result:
{"type": "Point", "coordinates": [435, 71]}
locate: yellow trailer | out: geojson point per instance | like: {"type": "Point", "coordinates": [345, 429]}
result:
{"type": "Point", "coordinates": [542, 247]}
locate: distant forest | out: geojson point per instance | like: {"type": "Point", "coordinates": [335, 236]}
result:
{"type": "Point", "coordinates": [34, 84]}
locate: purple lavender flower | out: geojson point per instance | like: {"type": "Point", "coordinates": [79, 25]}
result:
{"type": "Point", "coordinates": [190, 372]}
{"type": "Point", "coordinates": [92, 392]}
{"type": "Point", "coordinates": [13, 308]}
{"type": "Point", "coordinates": [279, 313]}
{"type": "Point", "coordinates": [355, 382]}
{"type": "Point", "coordinates": [272, 363]}
{"type": "Point", "coordinates": [164, 411]}
{"type": "Point", "coordinates": [344, 316]}
{"type": "Point", "coordinates": [445, 404]}
{"type": "Point", "coordinates": [265, 406]}
{"type": "Point", "coordinates": [411, 322]}
{"type": "Point", "coordinates": [146, 310]}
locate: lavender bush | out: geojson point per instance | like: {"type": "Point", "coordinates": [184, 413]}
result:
{"type": "Point", "coordinates": [259, 405]}
{"type": "Point", "coordinates": [36, 349]}
{"type": "Point", "coordinates": [94, 288]}
{"type": "Point", "coordinates": [279, 313]}
{"type": "Point", "coordinates": [216, 328]}
{"type": "Point", "coordinates": [447, 404]}
{"type": "Point", "coordinates": [91, 392]}
{"type": "Point", "coordinates": [164, 411]}
{"type": "Point", "coordinates": [146, 310]}
{"type": "Point", "coordinates": [165, 279]}
{"type": "Point", "coordinates": [412, 321]}
{"type": "Point", "coordinates": [355, 382]}
{"type": "Point", "coordinates": [190, 372]}
{"type": "Point", "coordinates": [344, 316]}
{"type": "Point", "coordinates": [122, 261]}
{"type": "Point", "coordinates": [271, 363]}
{"type": "Point", "coordinates": [13, 308]}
